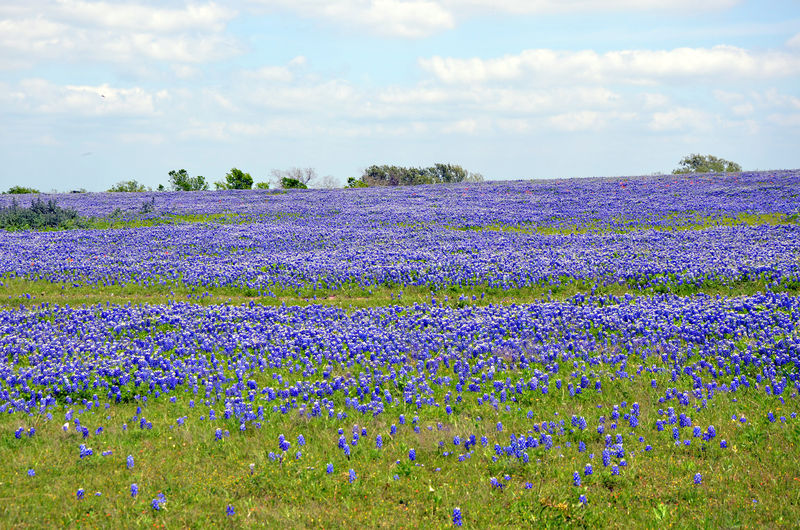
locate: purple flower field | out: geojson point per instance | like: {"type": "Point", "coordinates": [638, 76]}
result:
{"type": "Point", "coordinates": [662, 400]}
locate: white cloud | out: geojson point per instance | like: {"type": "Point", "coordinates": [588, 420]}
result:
{"type": "Point", "coordinates": [144, 18]}
{"type": "Point", "coordinates": [394, 18]}
{"type": "Point", "coordinates": [466, 126]}
{"type": "Point", "coordinates": [681, 119]}
{"type": "Point", "coordinates": [78, 31]}
{"type": "Point", "coordinates": [794, 42]}
{"type": "Point", "coordinates": [422, 18]}
{"type": "Point", "coordinates": [582, 6]}
{"type": "Point", "coordinates": [631, 66]}
{"type": "Point", "coordinates": [40, 96]}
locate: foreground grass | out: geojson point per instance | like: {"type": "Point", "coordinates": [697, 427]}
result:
{"type": "Point", "coordinates": [753, 483]}
{"type": "Point", "coordinates": [678, 221]}
{"type": "Point", "coordinates": [16, 292]}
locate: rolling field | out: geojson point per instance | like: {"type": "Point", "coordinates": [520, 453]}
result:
{"type": "Point", "coordinates": [585, 352]}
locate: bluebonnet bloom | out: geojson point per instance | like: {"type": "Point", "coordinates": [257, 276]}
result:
{"type": "Point", "coordinates": [412, 454]}
{"type": "Point", "coordinates": [352, 477]}
{"type": "Point", "coordinates": [378, 442]}
{"type": "Point", "coordinates": [499, 427]}
{"type": "Point", "coordinates": [587, 470]}
{"type": "Point", "coordinates": [129, 461]}
{"type": "Point", "coordinates": [31, 472]}
{"type": "Point", "coordinates": [301, 441]}
{"type": "Point", "coordinates": [134, 489]}
{"type": "Point", "coordinates": [576, 479]}
{"type": "Point", "coordinates": [229, 511]}
{"type": "Point", "coordinates": [528, 485]}
{"type": "Point", "coordinates": [393, 429]}
{"type": "Point", "coordinates": [698, 478]}
{"type": "Point", "coordinates": [582, 499]}
{"type": "Point", "coordinates": [457, 516]}
{"type": "Point", "coordinates": [329, 468]}
{"type": "Point", "coordinates": [80, 493]}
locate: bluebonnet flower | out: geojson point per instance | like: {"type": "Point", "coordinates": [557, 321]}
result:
{"type": "Point", "coordinates": [499, 427]}
{"type": "Point", "coordinates": [582, 499]}
{"type": "Point", "coordinates": [129, 461]}
{"type": "Point", "coordinates": [218, 434]}
{"type": "Point", "coordinates": [393, 429]}
{"type": "Point", "coordinates": [457, 516]}
{"type": "Point", "coordinates": [329, 468]}
{"type": "Point", "coordinates": [723, 444]}
{"type": "Point", "coordinates": [80, 493]}
{"type": "Point", "coordinates": [576, 479]}
{"type": "Point", "coordinates": [134, 489]}
{"type": "Point", "coordinates": [378, 442]}
{"type": "Point", "coordinates": [587, 470]}
{"type": "Point", "coordinates": [615, 470]}
{"type": "Point", "coordinates": [352, 476]}
{"type": "Point", "coordinates": [229, 511]}
{"type": "Point", "coordinates": [412, 454]}
{"type": "Point", "coordinates": [528, 485]}
{"type": "Point", "coordinates": [301, 441]}
{"type": "Point", "coordinates": [31, 472]}
{"type": "Point", "coordinates": [698, 478]}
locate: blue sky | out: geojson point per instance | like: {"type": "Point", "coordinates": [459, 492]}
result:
{"type": "Point", "coordinates": [92, 93]}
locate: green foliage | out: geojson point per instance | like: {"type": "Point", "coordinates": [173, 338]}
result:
{"type": "Point", "coordinates": [697, 163]}
{"type": "Point", "coordinates": [289, 183]}
{"type": "Point", "coordinates": [127, 186]}
{"type": "Point", "coordinates": [409, 176]}
{"type": "Point", "coordinates": [235, 179]}
{"type": "Point", "coordinates": [41, 215]}
{"type": "Point", "coordinates": [353, 182]}
{"type": "Point", "coordinates": [181, 181]}
{"type": "Point", "coordinates": [16, 190]}
{"type": "Point", "coordinates": [304, 175]}
{"type": "Point", "coordinates": [262, 185]}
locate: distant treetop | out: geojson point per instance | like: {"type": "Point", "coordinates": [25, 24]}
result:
{"type": "Point", "coordinates": [15, 190]}
{"type": "Point", "coordinates": [408, 176]}
{"type": "Point", "coordinates": [697, 163]}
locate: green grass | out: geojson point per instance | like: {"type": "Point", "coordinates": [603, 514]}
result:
{"type": "Point", "coordinates": [669, 223]}
{"type": "Point", "coordinates": [20, 291]}
{"type": "Point", "coordinates": [200, 476]}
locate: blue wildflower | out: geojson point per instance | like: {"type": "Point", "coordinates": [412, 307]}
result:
{"type": "Point", "coordinates": [457, 516]}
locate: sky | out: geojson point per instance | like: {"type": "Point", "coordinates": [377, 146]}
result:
{"type": "Point", "coordinates": [94, 93]}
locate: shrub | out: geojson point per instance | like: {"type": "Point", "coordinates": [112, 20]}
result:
{"type": "Point", "coordinates": [41, 215]}
{"type": "Point", "coordinates": [289, 183]}
{"type": "Point", "coordinates": [235, 179]}
{"type": "Point", "coordinates": [408, 176]}
{"type": "Point", "coordinates": [127, 186]}
{"type": "Point", "coordinates": [15, 190]}
{"type": "Point", "coordinates": [181, 181]}
{"type": "Point", "coordinates": [697, 163]}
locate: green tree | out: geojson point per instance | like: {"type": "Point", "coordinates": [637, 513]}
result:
{"type": "Point", "coordinates": [14, 190]}
{"type": "Point", "coordinates": [408, 176]}
{"type": "Point", "coordinates": [289, 183]}
{"type": "Point", "coordinates": [181, 181]}
{"type": "Point", "coordinates": [235, 179]}
{"type": "Point", "coordinates": [697, 163]}
{"type": "Point", "coordinates": [262, 185]}
{"type": "Point", "coordinates": [127, 186]}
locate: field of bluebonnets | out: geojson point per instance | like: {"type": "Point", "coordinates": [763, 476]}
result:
{"type": "Point", "coordinates": [615, 352]}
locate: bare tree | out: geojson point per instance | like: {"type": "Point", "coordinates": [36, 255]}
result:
{"type": "Point", "coordinates": [328, 183]}
{"type": "Point", "coordinates": [305, 175]}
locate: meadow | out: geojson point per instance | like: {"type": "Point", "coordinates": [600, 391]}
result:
{"type": "Point", "coordinates": [618, 352]}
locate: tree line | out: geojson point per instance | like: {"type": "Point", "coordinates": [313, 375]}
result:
{"type": "Point", "coordinates": [375, 175]}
